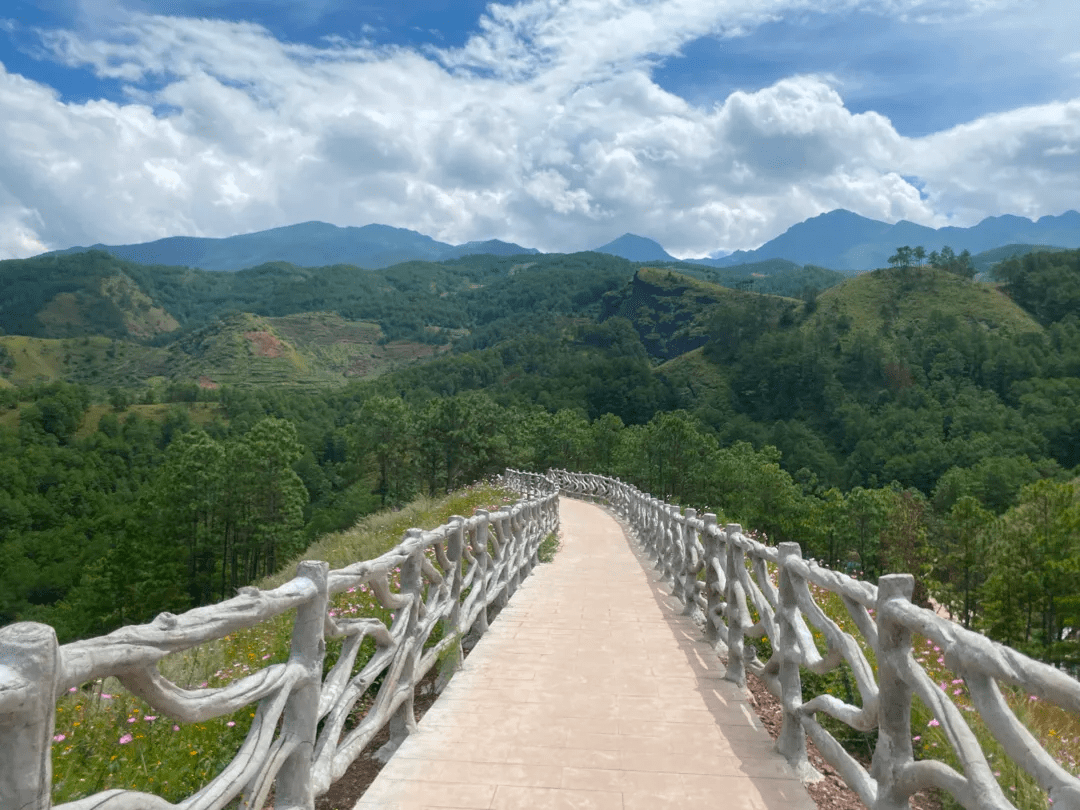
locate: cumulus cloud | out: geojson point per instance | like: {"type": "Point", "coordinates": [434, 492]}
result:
{"type": "Point", "coordinates": [538, 130]}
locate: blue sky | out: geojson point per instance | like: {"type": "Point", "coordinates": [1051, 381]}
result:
{"type": "Point", "coordinates": [708, 125]}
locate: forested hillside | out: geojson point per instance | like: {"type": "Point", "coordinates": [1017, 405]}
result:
{"type": "Point", "coordinates": [906, 419]}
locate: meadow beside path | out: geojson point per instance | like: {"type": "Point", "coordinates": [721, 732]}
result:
{"type": "Point", "coordinates": [589, 691]}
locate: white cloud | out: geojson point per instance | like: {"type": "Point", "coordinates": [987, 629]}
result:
{"type": "Point", "coordinates": [545, 129]}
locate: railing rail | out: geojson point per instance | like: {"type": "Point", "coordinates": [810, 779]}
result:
{"type": "Point", "coordinates": [478, 562]}
{"type": "Point", "coordinates": [738, 586]}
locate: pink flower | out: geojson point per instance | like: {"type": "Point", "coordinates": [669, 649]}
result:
{"type": "Point", "coordinates": [933, 722]}
{"type": "Point", "coordinates": [131, 719]}
{"type": "Point", "coordinates": [59, 738]}
{"type": "Point", "coordinates": [176, 728]}
{"type": "Point", "coordinates": [230, 724]}
{"type": "Point", "coordinates": [958, 691]}
{"type": "Point", "coordinates": [150, 718]}
{"type": "Point", "coordinates": [958, 680]}
{"type": "Point", "coordinates": [105, 696]}
{"type": "Point", "coordinates": [74, 689]}
{"type": "Point", "coordinates": [126, 739]}
{"type": "Point", "coordinates": [916, 738]}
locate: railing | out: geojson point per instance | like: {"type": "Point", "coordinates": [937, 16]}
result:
{"type": "Point", "coordinates": [737, 579]}
{"type": "Point", "coordinates": [478, 562]}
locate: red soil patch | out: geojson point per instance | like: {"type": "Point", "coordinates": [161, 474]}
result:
{"type": "Point", "coordinates": [266, 345]}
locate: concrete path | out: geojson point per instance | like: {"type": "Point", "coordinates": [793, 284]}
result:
{"type": "Point", "coordinates": [589, 692]}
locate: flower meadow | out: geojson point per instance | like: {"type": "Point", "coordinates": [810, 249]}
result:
{"type": "Point", "coordinates": [106, 738]}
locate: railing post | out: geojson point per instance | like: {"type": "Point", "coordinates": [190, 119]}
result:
{"type": "Point", "coordinates": [714, 588]}
{"type": "Point", "coordinates": [402, 722]}
{"type": "Point", "coordinates": [29, 671]}
{"type": "Point", "coordinates": [689, 563]}
{"type": "Point", "coordinates": [734, 560]}
{"type": "Point", "coordinates": [792, 740]}
{"type": "Point", "coordinates": [893, 750]}
{"type": "Point", "coordinates": [294, 786]}
{"type": "Point", "coordinates": [455, 544]}
{"type": "Point", "coordinates": [483, 566]}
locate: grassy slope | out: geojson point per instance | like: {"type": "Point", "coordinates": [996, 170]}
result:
{"type": "Point", "coordinates": [309, 350]}
{"type": "Point", "coordinates": [890, 302]}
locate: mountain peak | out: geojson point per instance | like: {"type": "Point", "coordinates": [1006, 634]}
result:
{"type": "Point", "coordinates": [636, 248]}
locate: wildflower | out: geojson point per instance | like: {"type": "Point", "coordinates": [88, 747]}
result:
{"type": "Point", "coordinates": [73, 689]}
{"type": "Point", "coordinates": [126, 739]}
{"type": "Point", "coordinates": [150, 718]}
{"type": "Point", "coordinates": [958, 680]}
{"type": "Point", "coordinates": [933, 722]}
{"type": "Point", "coordinates": [131, 719]}
{"type": "Point", "coordinates": [59, 737]}
{"type": "Point", "coordinates": [176, 728]}
{"type": "Point", "coordinates": [916, 738]}
{"type": "Point", "coordinates": [958, 691]}
{"type": "Point", "coordinates": [230, 724]}
{"type": "Point", "coordinates": [105, 696]}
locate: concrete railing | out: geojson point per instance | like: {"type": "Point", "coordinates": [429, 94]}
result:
{"type": "Point", "coordinates": [449, 576]}
{"type": "Point", "coordinates": [753, 591]}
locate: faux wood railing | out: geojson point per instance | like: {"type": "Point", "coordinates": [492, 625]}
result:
{"type": "Point", "coordinates": [479, 562]}
{"type": "Point", "coordinates": [738, 586]}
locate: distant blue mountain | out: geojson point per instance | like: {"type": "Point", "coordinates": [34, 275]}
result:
{"type": "Point", "coordinates": [308, 244]}
{"type": "Point", "coordinates": [839, 240]}
{"type": "Point", "coordinates": [636, 249]}
{"type": "Point", "coordinates": [844, 241]}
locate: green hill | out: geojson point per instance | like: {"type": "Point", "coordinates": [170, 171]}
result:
{"type": "Point", "coordinates": [310, 350]}
{"type": "Point", "coordinates": [895, 302]}
{"type": "Point", "coordinates": [674, 313]}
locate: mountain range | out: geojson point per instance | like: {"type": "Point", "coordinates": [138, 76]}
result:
{"type": "Point", "coordinates": [308, 244]}
{"type": "Point", "coordinates": [840, 240]}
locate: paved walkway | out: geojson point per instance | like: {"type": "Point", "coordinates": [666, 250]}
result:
{"type": "Point", "coordinates": [589, 692]}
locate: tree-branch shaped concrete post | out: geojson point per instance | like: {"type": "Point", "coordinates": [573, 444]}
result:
{"type": "Point", "coordinates": [714, 588]}
{"type": "Point", "coordinates": [483, 566]}
{"type": "Point", "coordinates": [734, 562]}
{"type": "Point", "coordinates": [300, 721]}
{"type": "Point", "coordinates": [402, 722]}
{"type": "Point", "coordinates": [893, 753]}
{"type": "Point", "coordinates": [29, 671]}
{"type": "Point", "coordinates": [688, 566]}
{"type": "Point", "coordinates": [455, 545]}
{"type": "Point", "coordinates": [792, 740]}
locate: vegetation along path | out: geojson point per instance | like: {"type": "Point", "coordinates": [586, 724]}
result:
{"type": "Point", "coordinates": [589, 691]}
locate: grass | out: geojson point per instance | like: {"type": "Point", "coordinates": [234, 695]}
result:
{"type": "Point", "coordinates": [106, 738]}
{"type": "Point", "coordinates": [549, 546]}
{"type": "Point", "coordinates": [892, 302]}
